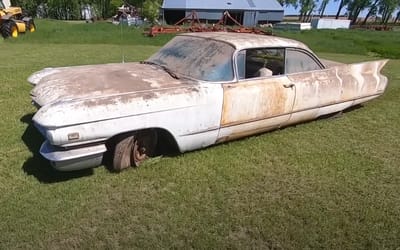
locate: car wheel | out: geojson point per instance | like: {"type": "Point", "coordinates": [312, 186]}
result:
{"type": "Point", "coordinates": [134, 149]}
{"type": "Point", "coordinates": [9, 29]}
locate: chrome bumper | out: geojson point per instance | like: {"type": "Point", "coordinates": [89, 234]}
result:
{"type": "Point", "coordinates": [73, 159]}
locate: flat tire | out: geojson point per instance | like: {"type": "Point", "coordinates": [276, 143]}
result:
{"type": "Point", "coordinates": [133, 149]}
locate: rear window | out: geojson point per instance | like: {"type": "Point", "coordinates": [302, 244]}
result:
{"type": "Point", "coordinates": [298, 61]}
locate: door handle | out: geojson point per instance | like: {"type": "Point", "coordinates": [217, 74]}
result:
{"type": "Point", "coordinates": [288, 85]}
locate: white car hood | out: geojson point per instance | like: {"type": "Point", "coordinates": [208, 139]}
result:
{"type": "Point", "coordinates": [92, 81]}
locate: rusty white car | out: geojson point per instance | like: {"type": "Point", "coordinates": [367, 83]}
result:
{"type": "Point", "coordinates": [199, 89]}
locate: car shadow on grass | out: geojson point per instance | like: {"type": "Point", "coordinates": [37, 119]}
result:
{"type": "Point", "coordinates": [39, 167]}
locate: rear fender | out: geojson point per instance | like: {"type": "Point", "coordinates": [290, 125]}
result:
{"type": "Point", "coordinates": [362, 79]}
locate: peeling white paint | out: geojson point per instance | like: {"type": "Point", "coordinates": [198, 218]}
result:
{"type": "Point", "coordinates": [153, 83]}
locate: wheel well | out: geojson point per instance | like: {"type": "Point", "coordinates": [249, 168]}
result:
{"type": "Point", "coordinates": [166, 143]}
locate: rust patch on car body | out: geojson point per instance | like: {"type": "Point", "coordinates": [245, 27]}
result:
{"type": "Point", "coordinates": [255, 100]}
{"type": "Point", "coordinates": [254, 106]}
{"type": "Point", "coordinates": [259, 105]}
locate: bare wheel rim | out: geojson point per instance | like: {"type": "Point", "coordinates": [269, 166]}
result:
{"type": "Point", "coordinates": [143, 147]}
{"type": "Point", "coordinates": [125, 158]}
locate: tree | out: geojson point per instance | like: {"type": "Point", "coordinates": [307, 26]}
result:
{"type": "Point", "coordinates": [342, 4]}
{"type": "Point", "coordinates": [386, 8]}
{"type": "Point", "coordinates": [306, 8]}
{"type": "Point", "coordinates": [28, 6]}
{"type": "Point", "coordinates": [136, 3]}
{"type": "Point", "coordinates": [63, 9]}
{"type": "Point", "coordinates": [372, 11]}
{"type": "Point", "coordinates": [355, 7]}
{"type": "Point", "coordinates": [70, 9]}
{"type": "Point", "coordinates": [323, 7]}
{"type": "Point", "coordinates": [151, 9]}
{"type": "Point", "coordinates": [397, 17]}
{"type": "Point", "coordinates": [288, 2]}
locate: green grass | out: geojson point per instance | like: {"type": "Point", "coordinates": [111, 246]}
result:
{"type": "Point", "coordinates": [324, 184]}
{"type": "Point", "coordinates": [76, 32]}
{"type": "Point", "coordinates": [361, 42]}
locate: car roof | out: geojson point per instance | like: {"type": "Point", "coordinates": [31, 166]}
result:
{"type": "Point", "coordinates": [246, 40]}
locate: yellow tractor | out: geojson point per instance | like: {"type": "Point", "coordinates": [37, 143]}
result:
{"type": "Point", "coordinates": [13, 22]}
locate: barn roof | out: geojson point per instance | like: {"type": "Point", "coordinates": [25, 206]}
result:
{"type": "Point", "coordinates": [271, 5]}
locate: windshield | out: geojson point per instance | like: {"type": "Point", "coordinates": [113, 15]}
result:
{"type": "Point", "coordinates": [198, 58]}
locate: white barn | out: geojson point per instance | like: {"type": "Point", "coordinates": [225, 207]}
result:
{"type": "Point", "coordinates": [247, 12]}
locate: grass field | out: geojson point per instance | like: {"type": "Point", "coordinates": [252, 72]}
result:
{"type": "Point", "coordinates": [330, 184]}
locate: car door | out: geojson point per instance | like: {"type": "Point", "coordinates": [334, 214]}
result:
{"type": "Point", "coordinates": [261, 99]}
{"type": "Point", "coordinates": [316, 88]}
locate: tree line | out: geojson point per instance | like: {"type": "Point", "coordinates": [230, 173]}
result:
{"type": "Point", "coordinates": [384, 8]}
{"type": "Point", "coordinates": [71, 9]}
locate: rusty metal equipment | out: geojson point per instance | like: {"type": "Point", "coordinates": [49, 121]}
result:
{"type": "Point", "coordinates": [191, 23]}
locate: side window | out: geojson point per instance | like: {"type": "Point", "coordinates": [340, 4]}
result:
{"type": "Point", "coordinates": [241, 64]}
{"type": "Point", "coordinates": [298, 61]}
{"type": "Point", "coordinates": [260, 62]}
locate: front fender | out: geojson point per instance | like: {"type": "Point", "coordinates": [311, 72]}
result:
{"type": "Point", "coordinates": [192, 119]}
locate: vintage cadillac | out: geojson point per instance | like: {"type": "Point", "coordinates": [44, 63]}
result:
{"type": "Point", "coordinates": [199, 89]}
